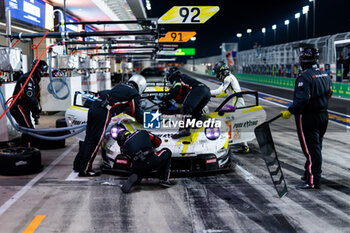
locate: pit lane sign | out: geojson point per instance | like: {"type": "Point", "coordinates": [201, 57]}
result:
{"type": "Point", "coordinates": [177, 37]}
{"type": "Point", "coordinates": [179, 52]}
{"type": "Point", "coordinates": [188, 14]}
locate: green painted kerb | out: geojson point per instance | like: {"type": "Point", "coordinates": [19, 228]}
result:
{"type": "Point", "coordinates": [339, 89]}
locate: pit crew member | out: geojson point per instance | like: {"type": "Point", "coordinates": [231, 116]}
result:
{"type": "Point", "coordinates": [28, 101]}
{"type": "Point", "coordinates": [230, 85]}
{"type": "Point", "coordinates": [110, 103]}
{"type": "Point", "coordinates": [313, 88]}
{"type": "Point", "coordinates": [194, 95]}
{"type": "Point", "coordinates": [139, 147]}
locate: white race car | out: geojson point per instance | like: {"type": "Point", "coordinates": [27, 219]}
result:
{"type": "Point", "coordinates": [206, 149]}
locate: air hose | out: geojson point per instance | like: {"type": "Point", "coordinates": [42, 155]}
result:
{"type": "Point", "coordinates": [31, 131]}
{"type": "Point", "coordinates": [51, 89]}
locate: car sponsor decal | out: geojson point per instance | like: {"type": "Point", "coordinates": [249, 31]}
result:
{"type": "Point", "coordinates": [210, 161]}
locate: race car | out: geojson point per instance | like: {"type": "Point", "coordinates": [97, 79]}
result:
{"type": "Point", "coordinates": [206, 149]}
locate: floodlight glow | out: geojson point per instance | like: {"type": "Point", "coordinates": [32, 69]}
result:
{"type": "Point", "coordinates": [193, 38]}
{"type": "Point", "coordinates": [305, 9]}
{"type": "Point", "coordinates": [239, 35]}
{"type": "Point", "coordinates": [286, 22]}
{"type": "Point", "coordinates": [297, 15]}
{"type": "Point", "coordinates": [311, 0]}
{"type": "Point", "coordinates": [263, 30]}
{"type": "Point", "coordinates": [249, 30]}
{"type": "Point", "coordinates": [274, 27]}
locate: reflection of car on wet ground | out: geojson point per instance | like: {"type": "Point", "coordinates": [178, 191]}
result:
{"type": "Point", "coordinates": [206, 149]}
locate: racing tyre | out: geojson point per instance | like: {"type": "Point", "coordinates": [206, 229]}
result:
{"type": "Point", "coordinates": [20, 161]}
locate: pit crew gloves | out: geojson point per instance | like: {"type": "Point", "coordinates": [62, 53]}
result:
{"type": "Point", "coordinates": [286, 114]}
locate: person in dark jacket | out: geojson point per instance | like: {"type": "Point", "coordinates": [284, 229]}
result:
{"type": "Point", "coordinates": [139, 147]}
{"type": "Point", "coordinates": [193, 94]}
{"type": "Point", "coordinates": [28, 101]}
{"type": "Point", "coordinates": [313, 88]}
{"type": "Point", "coordinates": [125, 96]}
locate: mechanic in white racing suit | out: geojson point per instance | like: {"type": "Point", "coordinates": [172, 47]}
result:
{"type": "Point", "coordinates": [230, 85]}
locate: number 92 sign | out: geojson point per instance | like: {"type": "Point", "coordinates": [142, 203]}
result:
{"type": "Point", "coordinates": [188, 14]}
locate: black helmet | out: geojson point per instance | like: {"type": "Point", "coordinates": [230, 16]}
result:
{"type": "Point", "coordinates": [172, 70]}
{"type": "Point", "coordinates": [221, 70]}
{"type": "Point", "coordinates": [121, 137]}
{"type": "Point", "coordinates": [219, 67]}
{"type": "Point", "coordinates": [308, 57]}
{"type": "Point", "coordinates": [42, 66]}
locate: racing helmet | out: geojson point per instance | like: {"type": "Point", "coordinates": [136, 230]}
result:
{"type": "Point", "coordinates": [171, 72]}
{"type": "Point", "coordinates": [42, 66]}
{"type": "Point", "coordinates": [308, 57]}
{"type": "Point", "coordinates": [139, 82]}
{"type": "Point", "coordinates": [122, 136]}
{"type": "Point", "coordinates": [219, 69]}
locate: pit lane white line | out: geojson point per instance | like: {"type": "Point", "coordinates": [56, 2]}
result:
{"type": "Point", "coordinates": [247, 175]}
{"type": "Point", "coordinates": [31, 183]}
{"type": "Point", "coordinates": [287, 100]}
{"type": "Point", "coordinates": [281, 105]}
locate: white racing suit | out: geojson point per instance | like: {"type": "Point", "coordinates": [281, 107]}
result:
{"type": "Point", "coordinates": [230, 86]}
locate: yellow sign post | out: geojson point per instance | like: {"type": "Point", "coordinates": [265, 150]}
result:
{"type": "Point", "coordinates": [188, 14]}
{"type": "Point", "coordinates": [177, 37]}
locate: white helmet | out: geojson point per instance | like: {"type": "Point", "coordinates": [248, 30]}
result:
{"type": "Point", "coordinates": [139, 82]}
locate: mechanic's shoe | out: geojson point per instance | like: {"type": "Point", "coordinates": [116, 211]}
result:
{"type": "Point", "coordinates": [182, 133]}
{"type": "Point", "coordinates": [307, 186]}
{"type": "Point", "coordinates": [243, 150]}
{"type": "Point", "coordinates": [303, 178]}
{"type": "Point", "coordinates": [132, 180]}
{"type": "Point", "coordinates": [90, 173]}
{"type": "Point", "coordinates": [167, 183]}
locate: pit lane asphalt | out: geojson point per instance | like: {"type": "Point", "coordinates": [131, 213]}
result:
{"type": "Point", "coordinates": [240, 201]}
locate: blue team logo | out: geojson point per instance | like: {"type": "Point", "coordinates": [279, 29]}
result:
{"type": "Point", "coordinates": [151, 120]}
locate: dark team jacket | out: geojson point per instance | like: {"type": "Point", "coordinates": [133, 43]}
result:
{"type": "Point", "coordinates": [29, 97]}
{"type": "Point", "coordinates": [140, 141]}
{"type": "Point", "coordinates": [313, 88]}
{"type": "Point", "coordinates": [124, 94]}
{"type": "Point", "coordinates": [181, 86]}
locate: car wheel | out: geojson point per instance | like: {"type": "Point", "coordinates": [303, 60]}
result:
{"type": "Point", "coordinates": [20, 161]}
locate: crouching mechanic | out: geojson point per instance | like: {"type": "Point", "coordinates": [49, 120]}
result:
{"type": "Point", "coordinates": [125, 96]}
{"type": "Point", "coordinates": [194, 95]}
{"type": "Point", "coordinates": [230, 85]}
{"type": "Point", "coordinates": [139, 147]}
{"type": "Point", "coordinates": [313, 88]}
{"type": "Point", "coordinates": [28, 101]}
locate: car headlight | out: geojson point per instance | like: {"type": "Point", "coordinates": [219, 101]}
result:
{"type": "Point", "coordinates": [212, 133]}
{"type": "Point", "coordinates": [115, 130]}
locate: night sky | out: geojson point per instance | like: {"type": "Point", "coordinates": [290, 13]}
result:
{"type": "Point", "coordinates": [332, 16]}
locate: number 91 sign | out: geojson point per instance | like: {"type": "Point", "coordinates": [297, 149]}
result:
{"type": "Point", "coordinates": [188, 14]}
